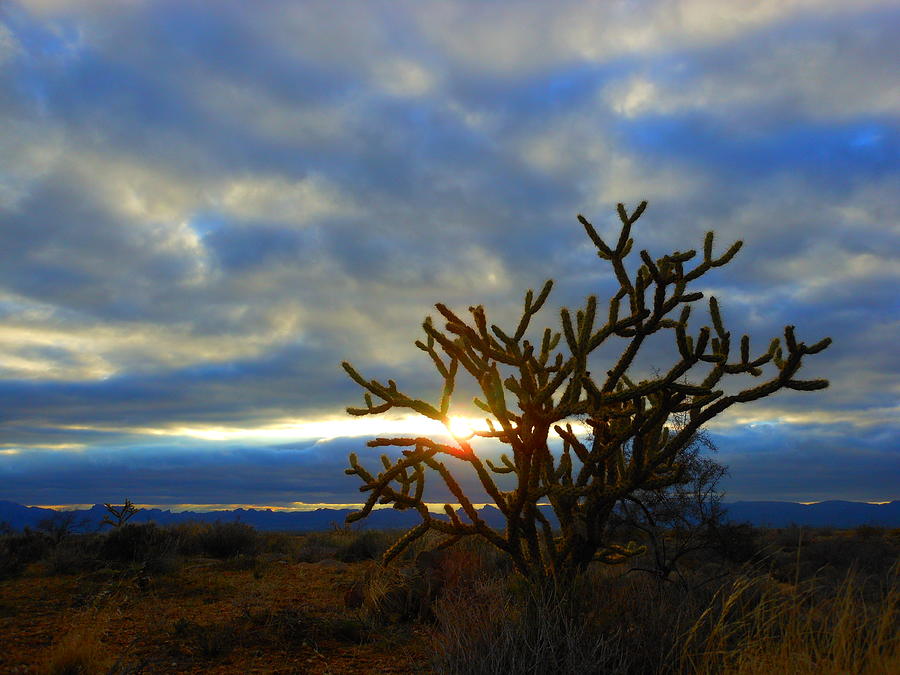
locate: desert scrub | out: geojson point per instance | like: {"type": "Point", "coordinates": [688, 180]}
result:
{"type": "Point", "coordinates": [226, 540]}
{"type": "Point", "coordinates": [19, 549]}
{"type": "Point", "coordinates": [343, 544]}
{"type": "Point", "coordinates": [143, 544]}
{"type": "Point", "coordinates": [75, 554]}
{"type": "Point", "coordinates": [217, 540]}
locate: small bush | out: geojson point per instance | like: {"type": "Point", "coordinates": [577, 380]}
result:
{"type": "Point", "coordinates": [392, 594]}
{"type": "Point", "coordinates": [316, 546]}
{"type": "Point", "coordinates": [278, 543]}
{"type": "Point", "coordinates": [224, 540]}
{"type": "Point", "coordinates": [364, 545]}
{"type": "Point", "coordinates": [218, 540]}
{"type": "Point", "coordinates": [242, 563]}
{"type": "Point", "coordinates": [737, 542]}
{"type": "Point", "coordinates": [144, 543]}
{"type": "Point", "coordinates": [869, 532]}
{"type": "Point", "coordinates": [342, 544]}
{"type": "Point", "coordinates": [208, 641]}
{"type": "Point", "coordinates": [74, 555]}
{"type": "Point", "coordinates": [18, 550]}
{"type": "Point", "coordinates": [790, 537]}
{"type": "Point", "coordinates": [189, 537]}
{"type": "Point", "coordinates": [610, 623]}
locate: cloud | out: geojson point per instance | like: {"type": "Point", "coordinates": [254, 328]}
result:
{"type": "Point", "coordinates": [203, 214]}
{"type": "Point", "coordinates": [9, 46]}
{"type": "Point", "coordinates": [402, 77]}
{"type": "Point", "coordinates": [811, 462]}
{"type": "Point", "coordinates": [824, 76]}
{"type": "Point", "coordinates": [275, 200]}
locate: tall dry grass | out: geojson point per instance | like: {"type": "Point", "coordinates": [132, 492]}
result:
{"type": "Point", "coordinates": [631, 624]}
{"type": "Point", "coordinates": [757, 626]}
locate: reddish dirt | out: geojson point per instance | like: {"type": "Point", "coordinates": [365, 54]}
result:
{"type": "Point", "coordinates": [205, 618]}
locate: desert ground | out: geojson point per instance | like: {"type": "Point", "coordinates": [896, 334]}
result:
{"type": "Point", "coordinates": [228, 599]}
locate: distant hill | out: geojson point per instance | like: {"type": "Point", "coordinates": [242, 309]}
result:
{"type": "Point", "coordinates": [769, 514]}
{"type": "Point", "coordinates": [821, 514]}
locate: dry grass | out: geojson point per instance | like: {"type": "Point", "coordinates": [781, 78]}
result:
{"type": "Point", "coordinates": [756, 626]}
{"type": "Point", "coordinates": [629, 624]}
{"type": "Point", "coordinates": [79, 652]}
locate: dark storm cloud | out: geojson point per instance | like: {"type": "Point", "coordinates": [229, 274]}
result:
{"type": "Point", "coordinates": [811, 462]}
{"type": "Point", "coordinates": [310, 473]}
{"type": "Point", "coordinates": [203, 212]}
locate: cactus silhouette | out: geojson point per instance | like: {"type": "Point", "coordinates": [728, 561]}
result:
{"type": "Point", "coordinates": [529, 389]}
{"type": "Point", "coordinates": [119, 515]}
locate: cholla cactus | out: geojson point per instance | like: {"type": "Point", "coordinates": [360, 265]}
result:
{"type": "Point", "coordinates": [120, 514]}
{"type": "Point", "coordinates": [530, 389]}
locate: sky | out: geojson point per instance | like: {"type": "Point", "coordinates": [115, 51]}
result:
{"type": "Point", "coordinates": [206, 206]}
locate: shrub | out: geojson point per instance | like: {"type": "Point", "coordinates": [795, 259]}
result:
{"type": "Point", "coordinates": [226, 540]}
{"type": "Point", "coordinates": [144, 543]}
{"type": "Point", "coordinates": [737, 542]}
{"type": "Point", "coordinates": [189, 536]}
{"type": "Point", "coordinates": [342, 544]}
{"type": "Point", "coordinates": [364, 545]}
{"type": "Point", "coordinates": [74, 555]}
{"type": "Point", "coordinates": [18, 550]}
{"type": "Point", "coordinates": [869, 532]}
{"type": "Point", "coordinates": [207, 641]}
{"type": "Point", "coordinates": [278, 543]}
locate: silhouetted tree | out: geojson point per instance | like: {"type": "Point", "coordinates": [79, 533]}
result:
{"type": "Point", "coordinates": [677, 520]}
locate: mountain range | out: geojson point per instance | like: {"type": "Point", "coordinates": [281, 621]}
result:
{"type": "Point", "coordinates": [841, 514]}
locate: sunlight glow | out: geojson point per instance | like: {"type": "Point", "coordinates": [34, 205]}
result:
{"type": "Point", "coordinates": [289, 429]}
{"type": "Point", "coordinates": [461, 428]}
{"type": "Point", "coordinates": [15, 449]}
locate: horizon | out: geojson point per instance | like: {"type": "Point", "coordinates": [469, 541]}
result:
{"type": "Point", "coordinates": [434, 507]}
{"type": "Point", "coordinates": [203, 214]}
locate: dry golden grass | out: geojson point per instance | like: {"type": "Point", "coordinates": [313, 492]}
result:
{"type": "Point", "coordinates": [757, 626]}
{"type": "Point", "coordinates": [78, 652]}
{"type": "Point", "coordinates": [631, 624]}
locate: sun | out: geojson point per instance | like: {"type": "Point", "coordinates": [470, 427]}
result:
{"type": "Point", "coordinates": [461, 428]}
